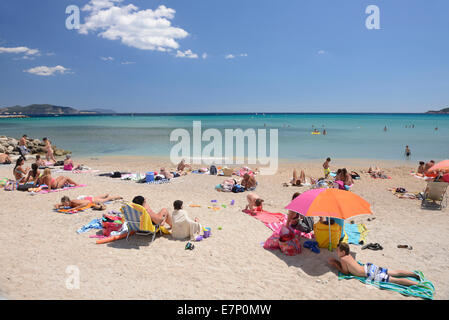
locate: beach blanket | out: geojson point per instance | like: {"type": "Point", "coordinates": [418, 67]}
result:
{"type": "Point", "coordinates": [45, 191]}
{"type": "Point", "coordinates": [94, 224]}
{"type": "Point", "coordinates": [159, 181]}
{"type": "Point", "coordinates": [424, 289]}
{"type": "Point", "coordinates": [355, 233]}
{"type": "Point", "coordinates": [274, 221]}
{"type": "Point", "coordinates": [421, 177]}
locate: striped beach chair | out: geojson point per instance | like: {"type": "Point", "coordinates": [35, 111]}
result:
{"type": "Point", "coordinates": [139, 220]}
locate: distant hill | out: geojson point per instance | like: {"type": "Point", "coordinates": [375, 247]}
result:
{"type": "Point", "coordinates": [445, 110]}
{"type": "Point", "coordinates": [34, 109]}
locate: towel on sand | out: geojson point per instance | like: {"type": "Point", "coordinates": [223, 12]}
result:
{"type": "Point", "coordinates": [44, 191]}
{"type": "Point", "coordinates": [355, 233]}
{"type": "Point", "coordinates": [424, 289]}
{"type": "Point", "coordinates": [272, 220]}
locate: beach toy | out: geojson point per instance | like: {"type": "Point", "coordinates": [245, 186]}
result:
{"type": "Point", "coordinates": [312, 245]}
{"type": "Point", "coordinates": [195, 206]}
{"type": "Point", "coordinates": [149, 177]}
{"type": "Point", "coordinates": [232, 202]}
{"type": "Point", "coordinates": [223, 205]}
{"type": "Point", "coordinates": [213, 201]}
{"type": "Point", "coordinates": [199, 238]}
{"type": "Point", "coordinates": [220, 228]}
{"type": "Point", "coordinates": [206, 232]}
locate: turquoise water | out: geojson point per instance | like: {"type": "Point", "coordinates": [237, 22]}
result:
{"type": "Point", "coordinates": [348, 135]}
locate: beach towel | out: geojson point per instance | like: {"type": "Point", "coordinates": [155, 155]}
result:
{"type": "Point", "coordinates": [355, 233]}
{"type": "Point", "coordinates": [424, 289]}
{"type": "Point", "coordinates": [45, 191]}
{"type": "Point", "coordinates": [159, 181]}
{"type": "Point", "coordinates": [71, 211]}
{"type": "Point", "coordinates": [274, 221]}
{"type": "Point", "coordinates": [94, 224]}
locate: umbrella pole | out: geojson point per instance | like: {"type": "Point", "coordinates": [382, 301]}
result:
{"type": "Point", "coordinates": [330, 239]}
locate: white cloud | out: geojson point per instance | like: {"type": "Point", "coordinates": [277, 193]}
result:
{"type": "Point", "coordinates": [141, 29]}
{"type": "Point", "coordinates": [204, 55]}
{"type": "Point", "coordinates": [186, 54]}
{"type": "Point", "coordinates": [47, 71]}
{"type": "Point", "coordinates": [128, 62]}
{"type": "Point", "coordinates": [233, 56]}
{"type": "Point", "coordinates": [321, 52]}
{"type": "Point", "coordinates": [22, 50]}
{"type": "Point", "coordinates": [107, 58]}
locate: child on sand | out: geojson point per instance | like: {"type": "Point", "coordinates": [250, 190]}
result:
{"type": "Point", "coordinates": [326, 167]}
{"type": "Point", "coordinates": [254, 203]}
{"type": "Point", "coordinates": [348, 265]}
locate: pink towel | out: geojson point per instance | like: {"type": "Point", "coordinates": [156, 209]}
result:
{"type": "Point", "coordinates": [274, 221]}
{"type": "Point", "coordinates": [62, 189]}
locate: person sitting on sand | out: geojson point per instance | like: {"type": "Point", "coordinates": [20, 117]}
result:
{"type": "Point", "coordinates": [249, 182]}
{"type": "Point", "coordinates": [327, 171]}
{"type": "Point", "coordinates": [184, 227]}
{"type": "Point", "coordinates": [40, 162]}
{"type": "Point", "coordinates": [421, 168]}
{"type": "Point", "coordinates": [69, 165]}
{"type": "Point", "coordinates": [347, 178]}
{"type": "Point", "coordinates": [254, 202]}
{"type": "Point", "coordinates": [53, 183]}
{"type": "Point", "coordinates": [182, 165]}
{"type": "Point", "coordinates": [33, 174]}
{"type": "Point", "coordinates": [428, 165]}
{"type": "Point", "coordinates": [19, 172]}
{"type": "Point", "coordinates": [83, 201]}
{"type": "Point", "coordinates": [49, 149]}
{"type": "Point", "coordinates": [5, 159]}
{"type": "Point", "coordinates": [348, 265]}
{"type": "Point", "coordinates": [158, 218]}
{"type": "Point", "coordinates": [297, 221]}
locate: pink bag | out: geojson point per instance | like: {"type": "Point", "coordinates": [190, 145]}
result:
{"type": "Point", "coordinates": [291, 247]}
{"type": "Point", "coordinates": [272, 243]}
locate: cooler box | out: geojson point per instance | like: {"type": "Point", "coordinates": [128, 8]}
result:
{"type": "Point", "coordinates": [149, 177]}
{"type": "Point", "coordinates": [321, 232]}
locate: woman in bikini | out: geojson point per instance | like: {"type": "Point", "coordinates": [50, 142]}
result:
{"type": "Point", "coordinates": [83, 201]}
{"type": "Point", "coordinates": [158, 218]}
{"type": "Point", "coordinates": [19, 172]}
{"type": "Point", "coordinates": [33, 174]}
{"type": "Point", "coordinates": [53, 183]}
{"type": "Point", "coordinates": [48, 147]}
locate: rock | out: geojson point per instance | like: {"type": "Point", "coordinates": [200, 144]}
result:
{"type": "Point", "coordinates": [2, 149]}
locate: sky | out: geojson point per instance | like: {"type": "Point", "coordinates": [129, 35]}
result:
{"type": "Point", "coordinates": [226, 56]}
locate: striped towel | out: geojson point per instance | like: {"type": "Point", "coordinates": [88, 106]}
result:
{"type": "Point", "coordinates": [424, 289]}
{"type": "Point", "coordinates": [159, 181]}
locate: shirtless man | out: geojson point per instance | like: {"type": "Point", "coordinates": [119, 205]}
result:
{"type": "Point", "coordinates": [5, 159]}
{"type": "Point", "coordinates": [49, 148]}
{"type": "Point", "coordinates": [182, 165]}
{"type": "Point", "coordinates": [98, 202]}
{"type": "Point", "coordinates": [347, 265]}
{"type": "Point", "coordinates": [428, 165]}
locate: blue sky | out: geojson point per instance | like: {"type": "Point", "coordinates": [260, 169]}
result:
{"type": "Point", "coordinates": [287, 56]}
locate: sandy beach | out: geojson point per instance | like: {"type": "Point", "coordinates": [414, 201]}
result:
{"type": "Point", "coordinates": [39, 244]}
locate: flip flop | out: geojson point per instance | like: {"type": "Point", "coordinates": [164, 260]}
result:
{"type": "Point", "coordinates": [405, 246]}
{"type": "Point", "coordinates": [190, 246]}
{"type": "Point", "coordinates": [373, 246]}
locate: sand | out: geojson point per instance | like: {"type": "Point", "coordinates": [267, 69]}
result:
{"type": "Point", "coordinates": [38, 245]}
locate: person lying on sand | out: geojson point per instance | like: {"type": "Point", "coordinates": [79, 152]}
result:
{"type": "Point", "coordinates": [158, 218]}
{"type": "Point", "coordinates": [254, 203]}
{"type": "Point", "coordinates": [19, 172]}
{"type": "Point", "coordinates": [347, 265]}
{"type": "Point", "coordinates": [53, 183]}
{"type": "Point", "coordinates": [83, 201]}
{"type": "Point", "coordinates": [5, 159]}
{"type": "Point", "coordinates": [248, 182]}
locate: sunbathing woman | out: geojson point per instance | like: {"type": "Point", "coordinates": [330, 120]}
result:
{"type": "Point", "coordinates": [298, 181]}
{"type": "Point", "coordinates": [5, 159]}
{"type": "Point", "coordinates": [19, 172]}
{"type": "Point", "coordinates": [249, 182]}
{"type": "Point", "coordinates": [83, 201]}
{"type": "Point", "coordinates": [53, 183]}
{"type": "Point", "coordinates": [158, 218]}
{"type": "Point", "coordinates": [33, 174]}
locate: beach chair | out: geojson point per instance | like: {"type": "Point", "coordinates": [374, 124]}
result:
{"type": "Point", "coordinates": [139, 220]}
{"type": "Point", "coordinates": [435, 196]}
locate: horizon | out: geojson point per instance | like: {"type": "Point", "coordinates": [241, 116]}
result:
{"type": "Point", "coordinates": [298, 57]}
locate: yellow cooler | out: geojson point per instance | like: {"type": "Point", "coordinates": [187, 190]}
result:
{"type": "Point", "coordinates": [321, 231]}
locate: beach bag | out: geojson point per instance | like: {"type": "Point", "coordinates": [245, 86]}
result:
{"type": "Point", "coordinates": [401, 190]}
{"type": "Point", "coordinates": [290, 247]}
{"type": "Point", "coordinates": [238, 188]}
{"type": "Point", "coordinates": [24, 187]}
{"type": "Point", "coordinates": [272, 243]}
{"type": "Point", "coordinates": [59, 163]}
{"type": "Point", "coordinates": [304, 225]}
{"type": "Point", "coordinates": [111, 223]}
{"type": "Point", "coordinates": [213, 170]}
{"type": "Point", "coordinates": [10, 185]}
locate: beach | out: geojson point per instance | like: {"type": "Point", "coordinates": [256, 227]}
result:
{"type": "Point", "coordinates": [38, 244]}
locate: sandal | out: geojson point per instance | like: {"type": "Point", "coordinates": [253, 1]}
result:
{"type": "Point", "coordinates": [405, 246]}
{"type": "Point", "coordinates": [190, 246]}
{"type": "Point", "coordinates": [373, 246]}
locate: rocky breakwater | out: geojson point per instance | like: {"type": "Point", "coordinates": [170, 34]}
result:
{"type": "Point", "coordinates": [10, 145]}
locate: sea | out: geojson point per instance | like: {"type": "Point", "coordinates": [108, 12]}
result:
{"type": "Point", "coordinates": [349, 136]}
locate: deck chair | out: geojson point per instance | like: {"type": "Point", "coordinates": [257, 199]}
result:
{"type": "Point", "coordinates": [139, 220]}
{"type": "Point", "coordinates": [435, 196]}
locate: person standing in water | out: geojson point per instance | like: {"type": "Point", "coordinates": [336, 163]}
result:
{"type": "Point", "coordinates": [407, 152]}
{"type": "Point", "coordinates": [385, 128]}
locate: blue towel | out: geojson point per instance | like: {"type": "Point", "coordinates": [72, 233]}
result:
{"type": "Point", "coordinates": [94, 224]}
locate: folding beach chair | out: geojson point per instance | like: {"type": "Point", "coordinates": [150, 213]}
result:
{"type": "Point", "coordinates": [435, 196]}
{"type": "Point", "coordinates": [139, 220]}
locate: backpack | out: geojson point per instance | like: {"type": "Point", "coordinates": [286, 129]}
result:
{"type": "Point", "coordinates": [213, 170]}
